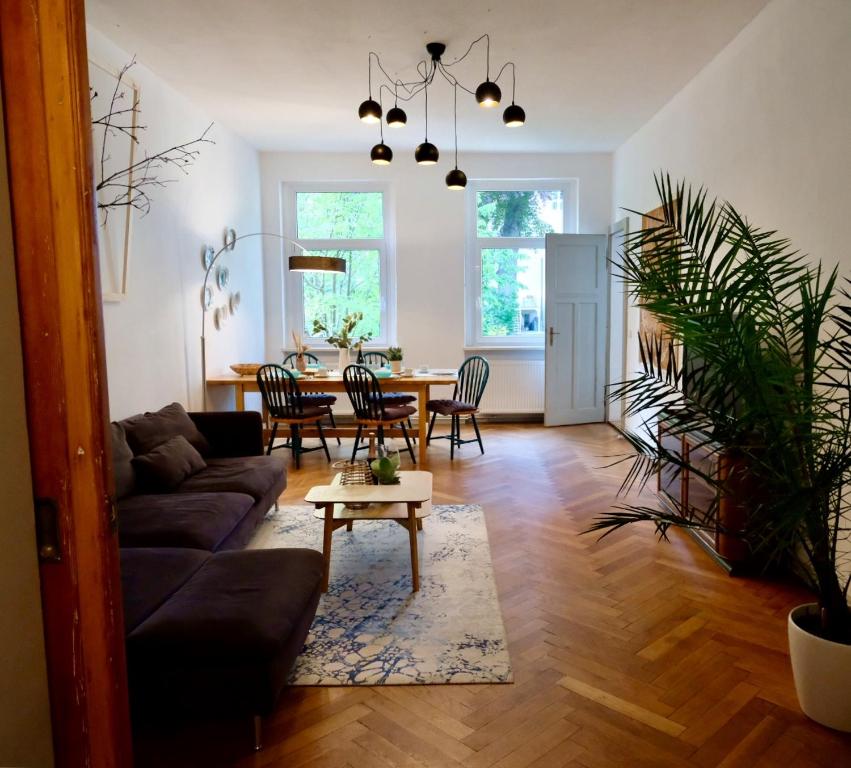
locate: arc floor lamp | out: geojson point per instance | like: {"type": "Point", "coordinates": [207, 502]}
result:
{"type": "Point", "coordinates": [305, 262]}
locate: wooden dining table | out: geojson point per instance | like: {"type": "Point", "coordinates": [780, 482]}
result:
{"type": "Point", "coordinates": [419, 384]}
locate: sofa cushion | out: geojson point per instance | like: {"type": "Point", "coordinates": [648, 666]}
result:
{"type": "Point", "coordinates": [237, 606]}
{"type": "Point", "coordinates": [199, 520]}
{"type": "Point", "coordinates": [148, 430]}
{"type": "Point", "coordinates": [168, 465]}
{"type": "Point", "coordinates": [150, 576]}
{"type": "Point", "coordinates": [122, 462]}
{"type": "Point", "coordinates": [254, 475]}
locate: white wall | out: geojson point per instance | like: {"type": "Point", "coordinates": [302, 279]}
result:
{"type": "Point", "coordinates": [25, 734]}
{"type": "Point", "coordinates": [430, 233]}
{"type": "Point", "coordinates": [153, 336]}
{"type": "Point", "coordinates": [766, 125]}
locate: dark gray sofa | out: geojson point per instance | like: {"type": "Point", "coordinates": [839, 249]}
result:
{"type": "Point", "coordinates": [210, 627]}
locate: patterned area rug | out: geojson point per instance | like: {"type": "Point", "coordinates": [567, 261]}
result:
{"type": "Point", "coordinates": [370, 628]}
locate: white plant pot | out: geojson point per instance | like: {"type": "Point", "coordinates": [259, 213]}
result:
{"type": "Point", "coordinates": [822, 672]}
{"type": "Point", "coordinates": [343, 360]}
{"type": "Point", "coordinates": [396, 366]}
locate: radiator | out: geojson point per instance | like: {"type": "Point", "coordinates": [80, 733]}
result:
{"type": "Point", "coordinates": [514, 386]}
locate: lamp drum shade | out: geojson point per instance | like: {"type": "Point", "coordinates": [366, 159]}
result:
{"type": "Point", "coordinates": [310, 263]}
{"type": "Point", "coordinates": [488, 94]}
{"type": "Point", "coordinates": [456, 179]}
{"type": "Point", "coordinates": [426, 153]}
{"type": "Point", "coordinates": [381, 154]}
{"type": "Point", "coordinates": [369, 111]}
{"type": "Point", "coordinates": [396, 117]}
{"type": "Point", "coordinates": [514, 116]}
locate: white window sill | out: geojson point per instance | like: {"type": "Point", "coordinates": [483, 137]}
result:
{"type": "Point", "coordinates": [504, 348]}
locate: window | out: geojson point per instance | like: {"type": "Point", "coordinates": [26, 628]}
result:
{"type": "Point", "coordinates": [349, 222]}
{"type": "Point", "coordinates": [508, 222]}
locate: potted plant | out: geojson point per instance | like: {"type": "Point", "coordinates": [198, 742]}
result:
{"type": "Point", "coordinates": [394, 355]}
{"type": "Point", "coordinates": [344, 338]}
{"type": "Point", "coordinates": [755, 355]}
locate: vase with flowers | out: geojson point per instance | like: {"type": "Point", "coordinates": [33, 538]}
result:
{"type": "Point", "coordinates": [344, 339]}
{"type": "Point", "coordinates": [300, 349]}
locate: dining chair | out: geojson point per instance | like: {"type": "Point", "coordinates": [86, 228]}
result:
{"type": "Point", "coordinates": [371, 408]}
{"type": "Point", "coordinates": [322, 399]}
{"type": "Point", "coordinates": [472, 379]}
{"type": "Point", "coordinates": [286, 405]}
{"type": "Point", "coordinates": [375, 357]}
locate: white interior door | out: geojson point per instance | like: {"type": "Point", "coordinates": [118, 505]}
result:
{"type": "Point", "coordinates": [577, 315]}
{"type": "Point", "coordinates": [617, 321]}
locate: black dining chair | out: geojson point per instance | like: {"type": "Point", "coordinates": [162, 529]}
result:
{"type": "Point", "coordinates": [286, 405]}
{"type": "Point", "coordinates": [375, 357]}
{"type": "Point", "coordinates": [371, 408]}
{"type": "Point", "coordinates": [322, 399]}
{"type": "Point", "coordinates": [472, 379]}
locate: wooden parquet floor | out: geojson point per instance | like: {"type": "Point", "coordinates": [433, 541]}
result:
{"type": "Point", "coordinates": [626, 651]}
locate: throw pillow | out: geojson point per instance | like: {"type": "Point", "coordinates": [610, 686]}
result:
{"type": "Point", "coordinates": [148, 430]}
{"type": "Point", "coordinates": [122, 462]}
{"type": "Point", "coordinates": [168, 465]}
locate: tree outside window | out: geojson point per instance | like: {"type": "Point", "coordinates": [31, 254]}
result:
{"type": "Point", "coordinates": [510, 230]}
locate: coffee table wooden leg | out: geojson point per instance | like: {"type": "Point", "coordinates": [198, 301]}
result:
{"type": "Point", "coordinates": [412, 534]}
{"type": "Point", "coordinates": [326, 544]}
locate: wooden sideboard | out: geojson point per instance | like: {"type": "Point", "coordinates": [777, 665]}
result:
{"type": "Point", "coordinates": [693, 492]}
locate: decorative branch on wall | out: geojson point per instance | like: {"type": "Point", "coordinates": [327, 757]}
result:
{"type": "Point", "coordinates": [130, 186]}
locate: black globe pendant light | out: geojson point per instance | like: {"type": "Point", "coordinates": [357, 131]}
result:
{"type": "Point", "coordinates": [381, 154]}
{"type": "Point", "coordinates": [514, 116]}
{"type": "Point", "coordinates": [396, 118]}
{"type": "Point", "coordinates": [426, 153]}
{"type": "Point", "coordinates": [488, 94]}
{"type": "Point", "coordinates": [456, 179]}
{"type": "Point", "coordinates": [369, 111]}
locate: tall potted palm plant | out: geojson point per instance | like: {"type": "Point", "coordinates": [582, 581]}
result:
{"type": "Point", "coordinates": [756, 359]}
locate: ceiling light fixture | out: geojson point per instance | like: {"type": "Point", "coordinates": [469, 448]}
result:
{"type": "Point", "coordinates": [426, 153]}
{"type": "Point", "coordinates": [381, 154]}
{"type": "Point", "coordinates": [514, 115]}
{"type": "Point", "coordinates": [396, 117]}
{"type": "Point", "coordinates": [370, 110]}
{"type": "Point", "coordinates": [488, 94]}
{"type": "Point", "coordinates": [456, 179]}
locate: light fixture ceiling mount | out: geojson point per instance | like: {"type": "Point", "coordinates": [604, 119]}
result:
{"type": "Point", "coordinates": [488, 94]}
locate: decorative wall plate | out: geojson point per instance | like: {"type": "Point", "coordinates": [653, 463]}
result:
{"type": "Point", "coordinates": [230, 238]}
{"type": "Point", "coordinates": [207, 298]}
{"type": "Point", "coordinates": [222, 277]}
{"type": "Point", "coordinates": [220, 317]}
{"type": "Point", "coordinates": [235, 299]}
{"type": "Point", "coordinates": [207, 256]}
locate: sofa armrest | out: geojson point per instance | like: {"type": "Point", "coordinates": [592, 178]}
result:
{"type": "Point", "coordinates": [231, 433]}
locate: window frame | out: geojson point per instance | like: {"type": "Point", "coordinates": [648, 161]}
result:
{"type": "Point", "coordinates": [475, 339]}
{"type": "Point", "coordinates": [293, 281]}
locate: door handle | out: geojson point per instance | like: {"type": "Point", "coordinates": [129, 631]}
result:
{"type": "Point", "coordinates": [553, 332]}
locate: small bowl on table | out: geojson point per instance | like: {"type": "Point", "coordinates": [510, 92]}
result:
{"type": "Point", "coordinates": [383, 373]}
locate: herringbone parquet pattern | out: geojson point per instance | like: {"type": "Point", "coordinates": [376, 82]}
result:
{"type": "Point", "coordinates": [626, 652]}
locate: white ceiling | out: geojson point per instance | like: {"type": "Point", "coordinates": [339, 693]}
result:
{"type": "Point", "coordinates": [289, 74]}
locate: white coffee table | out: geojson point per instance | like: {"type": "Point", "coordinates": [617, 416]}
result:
{"type": "Point", "coordinates": [406, 503]}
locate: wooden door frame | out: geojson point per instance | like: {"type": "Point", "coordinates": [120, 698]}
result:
{"type": "Point", "coordinates": [43, 65]}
